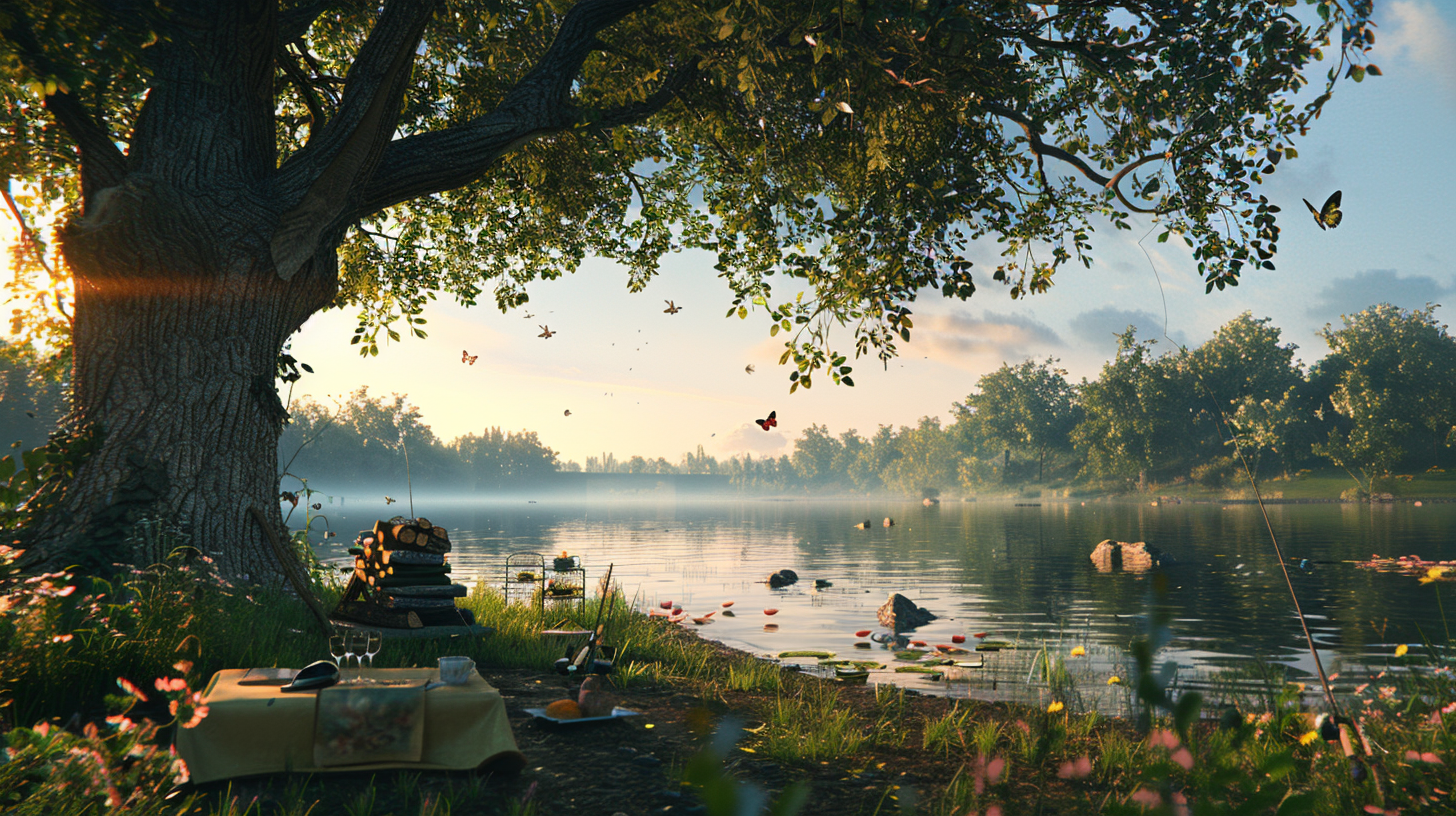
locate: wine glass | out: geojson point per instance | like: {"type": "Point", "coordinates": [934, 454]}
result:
{"type": "Point", "coordinates": [337, 650]}
{"type": "Point", "coordinates": [350, 641]}
{"type": "Point", "coordinates": [374, 641]}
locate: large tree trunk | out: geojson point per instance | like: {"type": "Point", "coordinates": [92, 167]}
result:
{"type": "Point", "coordinates": [179, 324]}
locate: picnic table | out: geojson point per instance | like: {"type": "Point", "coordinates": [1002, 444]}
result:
{"type": "Point", "coordinates": [410, 723]}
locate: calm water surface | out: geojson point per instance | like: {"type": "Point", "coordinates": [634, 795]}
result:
{"type": "Point", "coordinates": [1020, 573]}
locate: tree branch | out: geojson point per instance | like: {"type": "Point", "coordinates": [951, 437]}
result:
{"type": "Point", "coordinates": [540, 103]}
{"type": "Point", "coordinates": [102, 164]}
{"type": "Point", "coordinates": [1041, 148]}
{"type": "Point", "coordinates": [356, 137]}
{"type": "Point", "coordinates": [294, 23]}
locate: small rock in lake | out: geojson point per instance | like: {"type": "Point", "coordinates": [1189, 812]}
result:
{"type": "Point", "coordinates": [820, 583]}
{"type": "Point", "coordinates": [782, 578]}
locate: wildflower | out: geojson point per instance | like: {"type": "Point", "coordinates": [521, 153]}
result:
{"type": "Point", "coordinates": [1184, 758]}
{"type": "Point", "coordinates": [1448, 708]}
{"type": "Point", "coordinates": [1163, 737]}
{"type": "Point", "coordinates": [62, 638]}
{"type": "Point", "coordinates": [1387, 692]}
{"type": "Point", "coordinates": [1426, 757]}
{"type": "Point", "coordinates": [176, 684]}
{"type": "Point", "coordinates": [1055, 707]}
{"type": "Point", "coordinates": [1308, 737]}
{"type": "Point", "coordinates": [1114, 680]}
{"type": "Point", "coordinates": [1076, 769]}
{"type": "Point", "coordinates": [1360, 689]}
{"type": "Point", "coordinates": [183, 666]}
{"type": "Point", "coordinates": [1078, 651]}
{"type": "Point", "coordinates": [1433, 574]}
{"type": "Point", "coordinates": [1147, 798]}
{"type": "Point", "coordinates": [126, 686]}
{"type": "Point", "coordinates": [1401, 650]}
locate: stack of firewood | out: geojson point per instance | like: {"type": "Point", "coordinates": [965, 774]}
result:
{"type": "Point", "coordinates": [400, 578]}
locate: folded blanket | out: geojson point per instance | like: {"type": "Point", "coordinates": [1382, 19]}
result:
{"type": "Point", "coordinates": [357, 725]}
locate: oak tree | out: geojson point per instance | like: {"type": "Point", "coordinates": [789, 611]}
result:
{"type": "Point", "coordinates": [228, 169]}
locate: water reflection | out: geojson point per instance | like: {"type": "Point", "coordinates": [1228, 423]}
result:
{"type": "Point", "coordinates": [1020, 573]}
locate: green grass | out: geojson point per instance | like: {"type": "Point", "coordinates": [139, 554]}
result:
{"type": "Point", "coordinates": [61, 652]}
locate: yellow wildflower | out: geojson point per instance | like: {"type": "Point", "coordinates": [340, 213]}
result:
{"type": "Point", "coordinates": [1114, 680]}
{"type": "Point", "coordinates": [1078, 651]}
{"type": "Point", "coordinates": [1401, 650]}
{"type": "Point", "coordinates": [1055, 707]}
{"type": "Point", "coordinates": [1308, 737]}
{"type": "Point", "coordinates": [1433, 574]}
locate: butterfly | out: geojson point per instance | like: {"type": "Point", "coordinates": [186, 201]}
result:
{"type": "Point", "coordinates": [770, 422]}
{"type": "Point", "coordinates": [748, 368]}
{"type": "Point", "coordinates": [388, 500]}
{"type": "Point", "coordinates": [1329, 215]}
{"type": "Point", "coordinates": [568, 412]}
{"type": "Point", "coordinates": [467, 357]}
{"type": "Point", "coordinates": [672, 308]}
{"type": "Point", "coordinates": [546, 332]}
{"type": "Point", "coordinates": [317, 505]}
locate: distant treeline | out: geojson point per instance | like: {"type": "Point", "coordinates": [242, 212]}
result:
{"type": "Point", "coordinates": [1383, 400]}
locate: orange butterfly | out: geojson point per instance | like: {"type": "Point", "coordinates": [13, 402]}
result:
{"type": "Point", "coordinates": [546, 333]}
{"type": "Point", "coordinates": [467, 357]}
{"type": "Point", "coordinates": [672, 308]}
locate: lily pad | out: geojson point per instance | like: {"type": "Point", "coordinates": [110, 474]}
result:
{"type": "Point", "coordinates": [907, 655]}
{"type": "Point", "coordinates": [807, 653]}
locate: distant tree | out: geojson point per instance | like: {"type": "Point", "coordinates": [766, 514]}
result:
{"type": "Point", "coordinates": [231, 168]}
{"type": "Point", "coordinates": [365, 441]}
{"type": "Point", "coordinates": [1244, 375]}
{"type": "Point", "coordinates": [927, 462]}
{"type": "Point", "coordinates": [32, 397]}
{"type": "Point", "coordinates": [496, 460]}
{"type": "Point", "coordinates": [852, 447]}
{"type": "Point", "coordinates": [815, 453]}
{"type": "Point", "coordinates": [1392, 391]}
{"type": "Point", "coordinates": [698, 462]}
{"type": "Point", "coordinates": [1136, 415]}
{"type": "Point", "coordinates": [1031, 406]}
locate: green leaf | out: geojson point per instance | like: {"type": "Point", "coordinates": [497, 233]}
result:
{"type": "Point", "coordinates": [773, 330]}
{"type": "Point", "coordinates": [742, 312]}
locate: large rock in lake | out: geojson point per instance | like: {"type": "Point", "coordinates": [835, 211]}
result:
{"type": "Point", "coordinates": [900, 613]}
{"type": "Point", "coordinates": [1127, 556]}
{"type": "Point", "coordinates": [782, 578]}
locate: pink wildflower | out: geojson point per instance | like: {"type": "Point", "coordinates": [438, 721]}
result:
{"type": "Point", "coordinates": [1184, 758]}
{"type": "Point", "coordinates": [1147, 798]}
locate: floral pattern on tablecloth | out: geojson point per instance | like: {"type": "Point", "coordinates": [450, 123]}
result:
{"type": "Point", "coordinates": [357, 725]}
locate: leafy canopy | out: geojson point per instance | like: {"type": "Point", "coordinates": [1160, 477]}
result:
{"type": "Point", "coordinates": [857, 149]}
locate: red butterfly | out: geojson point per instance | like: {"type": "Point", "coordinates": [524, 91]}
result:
{"type": "Point", "coordinates": [768, 423]}
{"type": "Point", "coordinates": [467, 357]}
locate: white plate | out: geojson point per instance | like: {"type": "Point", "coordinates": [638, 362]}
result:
{"type": "Point", "coordinates": [616, 713]}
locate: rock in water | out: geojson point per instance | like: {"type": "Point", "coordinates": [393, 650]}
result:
{"type": "Point", "coordinates": [900, 613]}
{"type": "Point", "coordinates": [1128, 556]}
{"type": "Point", "coordinates": [783, 578]}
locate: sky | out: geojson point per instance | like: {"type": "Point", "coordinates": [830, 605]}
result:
{"type": "Point", "coordinates": [638, 381]}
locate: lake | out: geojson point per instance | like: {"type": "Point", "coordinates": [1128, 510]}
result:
{"type": "Point", "coordinates": [1020, 573]}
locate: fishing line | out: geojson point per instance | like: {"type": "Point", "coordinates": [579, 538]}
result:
{"type": "Point", "coordinates": [1249, 473]}
{"type": "Point", "coordinates": [1334, 707]}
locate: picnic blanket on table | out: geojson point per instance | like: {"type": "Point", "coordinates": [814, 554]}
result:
{"type": "Point", "coordinates": [258, 729]}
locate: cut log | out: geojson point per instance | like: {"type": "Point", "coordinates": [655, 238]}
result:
{"type": "Point", "coordinates": [423, 523]}
{"type": "Point", "coordinates": [439, 533]}
{"type": "Point", "coordinates": [406, 535]}
{"type": "Point", "coordinates": [377, 615]}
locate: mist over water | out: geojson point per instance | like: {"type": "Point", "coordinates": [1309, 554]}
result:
{"type": "Point", "coordinates": [1019, 573]}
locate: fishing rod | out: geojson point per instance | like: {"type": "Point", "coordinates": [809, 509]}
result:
{"type": "Point", "coordinates": [586, 657]}
{"type": "Point", "coordinates": [1337, 721]}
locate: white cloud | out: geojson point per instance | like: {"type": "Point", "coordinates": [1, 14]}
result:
{"type": "Point", "coordinates": [749, 438]}
{"type": "Point", "coordinates": [1415, 31]}
{"type": "Point", "coordinates": [968, 342]}
{"type": "Point", "coordinates": [1346, 296]}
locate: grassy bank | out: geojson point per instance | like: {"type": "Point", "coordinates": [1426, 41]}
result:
{"type": "Point", "coordinates": [83, 743]}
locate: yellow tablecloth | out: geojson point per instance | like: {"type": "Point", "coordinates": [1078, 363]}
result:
{"type": "Point", "coordinates": [260, 729]}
